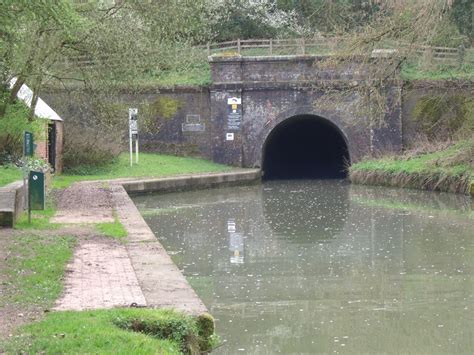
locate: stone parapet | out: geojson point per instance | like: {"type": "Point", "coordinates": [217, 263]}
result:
{"type": "Point", "coordinates": [12, 203]}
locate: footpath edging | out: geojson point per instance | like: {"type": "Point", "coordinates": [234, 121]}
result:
{"type": "Point", "coordinates": [162, 284]}
{"type": "Point", "coordinates": [192, 182]}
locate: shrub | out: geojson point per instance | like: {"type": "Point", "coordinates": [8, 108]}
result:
{"type": "Point", "coordinates": [89, 147]}
{"type": "Point", "coordinates": [12, 125]}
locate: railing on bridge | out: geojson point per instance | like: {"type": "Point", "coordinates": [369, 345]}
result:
{"type": "Point", "coordinates": [298, 46]}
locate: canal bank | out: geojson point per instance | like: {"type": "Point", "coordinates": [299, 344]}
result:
{"type": "Point", "coordinates": [138, 272]}
{"type": "Point", "coordinates": [448, 169]}
{"type": "Point", "coordinates": [108, 272]}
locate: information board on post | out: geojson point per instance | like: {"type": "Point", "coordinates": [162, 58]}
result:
{"type": "Point", "coordinates": [28, 144]}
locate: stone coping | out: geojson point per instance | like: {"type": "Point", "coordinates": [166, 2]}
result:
{"type": "Point", "coordinates": [12, 203]}
{"type": "Point", "coordinates": [191, 182]}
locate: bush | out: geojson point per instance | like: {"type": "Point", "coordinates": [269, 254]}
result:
{"type": "Point", "coordinates": [89, 147]}
{"type": "Point", "coordinates": [12, 125]}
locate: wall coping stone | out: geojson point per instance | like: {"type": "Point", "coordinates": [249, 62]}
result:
{"type": "Point", "coordinates": [11, 203]}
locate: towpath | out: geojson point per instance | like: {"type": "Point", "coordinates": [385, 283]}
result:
{"type": "Point", "coordinates": [107, 273]}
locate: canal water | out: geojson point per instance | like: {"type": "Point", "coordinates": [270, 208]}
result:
{"type": "Point", "coordinates": [324, 266]}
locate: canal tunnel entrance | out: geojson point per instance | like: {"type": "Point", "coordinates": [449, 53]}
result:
{"type": "Point", "coordinates": [305, 147]}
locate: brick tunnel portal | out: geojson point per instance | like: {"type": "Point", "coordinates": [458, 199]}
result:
{"type": "Point", "coordinates": [305, 147]}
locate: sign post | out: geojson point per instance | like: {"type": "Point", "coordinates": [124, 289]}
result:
{"type": "Point", "coordinates": [28, 144]}
{"type": "Point", "coordinates": [133, 132]}
{"type": "Point", "coordinates": [28, 151]}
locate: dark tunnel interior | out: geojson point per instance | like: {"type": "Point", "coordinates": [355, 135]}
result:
{"type": "Point", "coordinates": [305, 147]}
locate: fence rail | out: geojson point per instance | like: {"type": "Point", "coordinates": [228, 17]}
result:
{"type": "Point", "coordinates": [293, 46]}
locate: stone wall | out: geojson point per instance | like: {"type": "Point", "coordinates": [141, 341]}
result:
{"type": "Point", "coordinates": [417, 91]}
{"type": "Point", "coordinates": [271, 90]}
{"type": "Point", "coordinates": [181, 117]}
{"type": "Point", "coordinates": [274, 89]}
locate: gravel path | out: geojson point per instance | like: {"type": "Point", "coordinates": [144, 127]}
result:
{"type": "Point", "coordinates": [85, 202]}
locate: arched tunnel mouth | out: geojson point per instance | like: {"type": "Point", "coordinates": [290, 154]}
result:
{"type": "Point", "coordinates": [305, 147]}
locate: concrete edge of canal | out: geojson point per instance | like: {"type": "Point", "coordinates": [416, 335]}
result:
{"type": "Point", "coordinates": [162, 283]}
{"type": "Point", "coordinates": [192, 182]}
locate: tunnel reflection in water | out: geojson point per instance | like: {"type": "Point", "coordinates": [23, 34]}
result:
{"type": "Point", "coordinates": [305, 147]}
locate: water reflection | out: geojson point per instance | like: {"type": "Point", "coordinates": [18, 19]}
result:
{"type": "Point", "coordinates": [324, 267]}
{"type": "Point", "coordinates": [306, 212]}
{"type": "Point", "coordinates": [236, 243]}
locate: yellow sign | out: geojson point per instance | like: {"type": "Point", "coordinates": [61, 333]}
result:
{"type": "Point", "coordinates": [234, 106]}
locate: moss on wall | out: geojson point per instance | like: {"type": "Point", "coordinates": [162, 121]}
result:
{"type": "Point", "coordinates": [158, 111]}
{"type": "Point", "coordinates": [445, 116]}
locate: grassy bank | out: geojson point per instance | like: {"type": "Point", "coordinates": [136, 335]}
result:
{"type": "Point", "coordinates": [150, 165]}
{"type": "Point", "coordinates": [33, 275]}
{"type": "Point", "coordinates": [121, 331]}
{"type": "Point", "coordinates": [450, 169]}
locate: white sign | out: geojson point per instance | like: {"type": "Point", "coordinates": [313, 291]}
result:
{"type": "Point", "coordinates": [133, 120]}
{"type": "Point", "coordinates": [229, 136]}
{"type": "Point", "coordinates": [133, 132]}
{"type": "Point", "coordinates": [234, 101]}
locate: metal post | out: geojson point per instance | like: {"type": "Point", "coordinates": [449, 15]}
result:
{"type": "Point", "coordinates": [131, 150]}
{"type": "Point", "coordinates": [29, 200]}
{"type": "Point", "coordinates": [136, 148]}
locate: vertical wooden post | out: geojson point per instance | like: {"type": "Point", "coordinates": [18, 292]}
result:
{"type": "Point", "coordinates": [271, 46]}
{"type": "Point", "coordinates": [208, 47]}
{"type": "Point", "coordinates": [461, 55]}
{"type": "Point", "coordinates": [303, 46]}
{"type": "Point", "coordinates": [238, 45]}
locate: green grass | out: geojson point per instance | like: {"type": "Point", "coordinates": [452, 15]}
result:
{"type": "Point", "coordinates": [414, 70]}
{"type": "Point", "coordinates": [453, 161]}
{"type": "Point", "coordinates": [450, 169]}
{"type": "Point", "coordinates": [39, 219]}
{"type": "Point", "coordinates": [112, 229]}
{"type": "Point", "coordinates": [93, 332]}
{"type": "Point", "coordinates": [8, 174]}
{"type": "Point", "coordinates": [150, 165]}
{"type": "Point", "coordinates": [35, 269]}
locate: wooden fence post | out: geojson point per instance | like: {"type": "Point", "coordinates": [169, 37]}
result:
{"type": "Point", "coordinates": [208, 47]}
{"type": "Point", "coordinates": [461, 54]}
{"type": "Point", "coordinates": [271, 46]}
{"type": "Point", "coordinates": [238, 45]}
{"type": "Point", "coordinates": [303, 46]}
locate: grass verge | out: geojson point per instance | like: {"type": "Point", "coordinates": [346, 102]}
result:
{"type": "Point", "coordinates": [35, 269]}
{"type": "Point", "coordinates": [450, 169]}
{"type": "Point", "coordinates": [8, 174]}
{"type": "Point", "coordinates": [113, 229]}
{"type": "Point", "coordinates": [39, 220]}
{"type": "Point", "coordinates": [150, 165]}
{"type": "Point", "coordinates": [121, 331]}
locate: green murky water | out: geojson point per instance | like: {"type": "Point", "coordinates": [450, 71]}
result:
{"type": "Point", "coordinates": [324, 266]}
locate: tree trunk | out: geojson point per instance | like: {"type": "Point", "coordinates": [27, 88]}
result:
{"type": "Point", "coordinates": [16, 87]}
